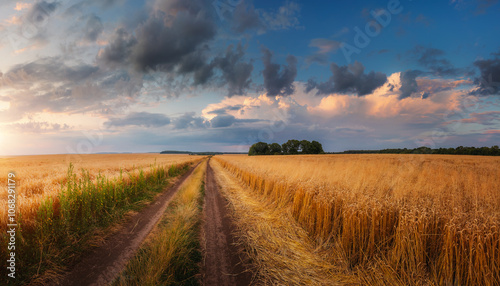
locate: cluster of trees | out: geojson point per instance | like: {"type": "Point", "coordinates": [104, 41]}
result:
{"type": "Point", "coordinates": [291, 147]}
{"type": "Point", "coordinates": [461, 150]}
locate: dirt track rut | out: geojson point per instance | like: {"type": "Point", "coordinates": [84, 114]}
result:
{"type": "Point", "coordinates": [103, 264]}
{"type": "Point", "coordinates": [222, 265]}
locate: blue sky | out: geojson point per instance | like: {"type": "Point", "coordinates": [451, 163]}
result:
{"type": "Point", "coordinates": [88, 76]}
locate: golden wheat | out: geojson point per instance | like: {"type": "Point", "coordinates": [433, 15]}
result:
{"type": "Point", "coordinates": [38, 177]}
{"type": "Point", "coordinates": [397, 219]}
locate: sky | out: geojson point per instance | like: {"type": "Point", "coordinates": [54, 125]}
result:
{"type": "Point", "coordinates": [91, 76]}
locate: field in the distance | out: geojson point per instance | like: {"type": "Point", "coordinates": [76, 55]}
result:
{"type": "Point", "coordinates": [388, 219]}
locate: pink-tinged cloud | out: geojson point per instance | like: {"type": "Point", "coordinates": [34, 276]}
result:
{"type": "Point", "coordinates": [385, 102]}
{"type": "Point", "coordinates": [484, 118]}
{"type": "Point", "coordinates": [433, 85]}
{"type": "Point", "coordinates": [492, 132]}
{"type": "Point", "coordinates": [22, 6]}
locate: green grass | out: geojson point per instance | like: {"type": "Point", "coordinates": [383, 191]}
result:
{"type": "Point", "coordinates": [72, 222]}
{"type": "Point", "coordinates": [171, 255]}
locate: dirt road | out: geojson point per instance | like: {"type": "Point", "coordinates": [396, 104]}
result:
{"type": "Point", "coordinates": [223, 264]}
{"type": "Point", "coordinates": [102, 265]}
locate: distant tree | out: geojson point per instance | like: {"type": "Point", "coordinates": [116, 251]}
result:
{"type": "Point", "coordinates": [316, 148]}
{"type": "Point", "coordinates": [259, 148]}
{"type": "Point", "coordinates": [305, 147]}
{"type": "Point", "coordinates": [291, 147]}
{"type": "Point", "coordinates": [275, 149]}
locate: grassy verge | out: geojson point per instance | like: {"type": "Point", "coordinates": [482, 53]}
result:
{"type": "Point", "coordinates": [171, 254]}
{"type": "Point", "coordinates": [78, 217]}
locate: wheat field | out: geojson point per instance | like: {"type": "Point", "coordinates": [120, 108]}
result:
{"type": "Point", "coordinates": [389, 219]}
{"type": "Point", "coordinates": [38, 177]}
{"type": "Point", "coordinates": [64, 202]}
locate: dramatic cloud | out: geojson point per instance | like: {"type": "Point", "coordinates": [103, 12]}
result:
{"type": "Point", "coordinates": [169, 37]}
{"type": "Point", "coordinates": [118, 51]}
{"type": "Point", "coordinates": [144, 119]}
{"type": "Point", "coordinates": [489, 80]}
{"type": "Point", "coordinates": [236, 74]}
{"type": "Point", "coordinates": [349, 79]}
{"type": "Point", "coordinates": [55, 85]}
{"type": "Point", "coordinates": [222, 121]}
{"type": "Point", "coordinates": [433, 59]}
{"type": "Point", "coordinates": [278, 80]}
{"type": "Point", "coordinates": [93, 28]}
{"type": "Point", "coordinates": [189, 120]}
{"type": "Point", "coordinates": [409, 83]}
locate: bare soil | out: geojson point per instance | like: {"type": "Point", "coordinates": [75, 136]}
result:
{"type": "Point", "coordinates": [103, 264]}
{"type": "Point", "coordinates": [224, 263]}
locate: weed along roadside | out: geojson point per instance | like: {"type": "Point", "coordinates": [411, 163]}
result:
{"type": "Point", "coordinates": [171, 253]}
{"type": "Point", "coordinates": [82, 215]}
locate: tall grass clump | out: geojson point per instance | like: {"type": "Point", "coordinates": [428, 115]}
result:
{"type": "Point", "coordinates": [171, 255]}
{"type": "Point", "coordinates": [401, 220]}
{"type": "Point", "coordinates": [75, 218]}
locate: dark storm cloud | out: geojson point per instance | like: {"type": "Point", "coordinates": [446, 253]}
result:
{"type": "Point", "coordinates": [189, 120]}
{"type": "Point", "coordinates": [93, 28]}
{"type": "Point", "coordinates": [235, 73]}
{"type": "Point", "coordinates": [162, 47]}
{"type": "Point", "coordinates": [278, 79]}
{"type": "Point", "coordinates": [144, 119]}
{"type": "Point", "coordinates": [434, 60]}
{"type": "Point", "coordinates": [119, 49]}
{"type": "Point", "coordinates": [173, 33]}
{"type": "Point", "coordinates": [409, 83]}
{"type": "Point", "coordinates": [347, 79]}
{"type": "Point", "coordinates": [489, 80]}
{"type": "Point", "coordinates": [223, 120]}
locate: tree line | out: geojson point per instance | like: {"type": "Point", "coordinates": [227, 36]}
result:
{"type": "Point", "coordinates": [461, 150]}
{"type": "Point", "coordinates": [291, 147]}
